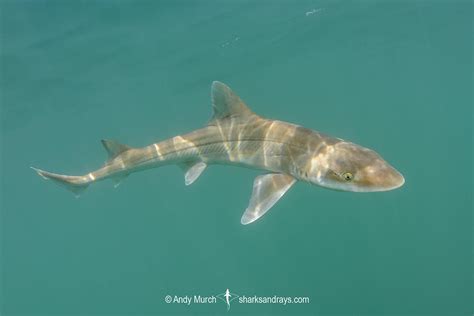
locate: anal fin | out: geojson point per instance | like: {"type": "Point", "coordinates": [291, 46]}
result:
{"type": "Point", "coordinates": [118, 179]}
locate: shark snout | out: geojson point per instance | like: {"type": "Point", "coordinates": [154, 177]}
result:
{"type": "Point", "coordinates": [384, 178]}
{"type": "Point", "coordinates": [394, 179]}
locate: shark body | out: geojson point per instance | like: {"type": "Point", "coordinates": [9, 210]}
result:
{"type": "Point", "coordinates": [235, 135]}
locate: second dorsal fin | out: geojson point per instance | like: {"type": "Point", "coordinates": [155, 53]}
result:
{"type": "Point", "coordinates": [113, 148]}
{"type": "Point", "coordinates": [226, 104]}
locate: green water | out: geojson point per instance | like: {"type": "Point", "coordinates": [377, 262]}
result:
{"type": "Point", "coordinates": [393, 76]}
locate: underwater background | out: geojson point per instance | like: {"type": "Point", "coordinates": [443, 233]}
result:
{"type": "Point", "coordinates": [394, 76]}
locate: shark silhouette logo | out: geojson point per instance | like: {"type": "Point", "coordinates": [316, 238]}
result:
{"type": "Point", "coordinates": [227, 297]}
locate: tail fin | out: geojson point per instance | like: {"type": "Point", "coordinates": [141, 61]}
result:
{"type": "Point", "coordinates": [75, 184]}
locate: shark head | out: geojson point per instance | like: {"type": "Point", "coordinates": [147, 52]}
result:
{"type": "Point", "coordinates": [349, 167]}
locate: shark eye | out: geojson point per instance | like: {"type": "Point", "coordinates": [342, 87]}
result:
{"type": "Point", "coordinates": [348, 176]}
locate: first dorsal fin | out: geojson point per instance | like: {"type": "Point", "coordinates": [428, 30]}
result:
{"type": "Point", "coordinates": [113, 148]}
{"type": "Point", "coordinates": [226, 104]}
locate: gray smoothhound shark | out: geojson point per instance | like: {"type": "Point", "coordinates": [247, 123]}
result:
{"type": "Point", "coordinates": [237, 136]}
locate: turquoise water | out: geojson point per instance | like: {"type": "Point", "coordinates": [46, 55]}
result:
{"type": "Point", "coordinates": [392, 76]}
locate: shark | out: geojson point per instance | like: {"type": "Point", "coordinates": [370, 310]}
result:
{"type": "Point", "coordinates": [235, 135]}
{"type": "Point", "coordinates": [227, 296]}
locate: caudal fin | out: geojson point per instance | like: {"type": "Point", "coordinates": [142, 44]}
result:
{"type": "Point", "coordinates": [75, 184]}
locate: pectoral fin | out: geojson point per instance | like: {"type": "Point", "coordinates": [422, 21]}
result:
{"type": "Point", "coordinates": [118, 179]}
{"type": "Point", "coordinates": [267, 190]}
